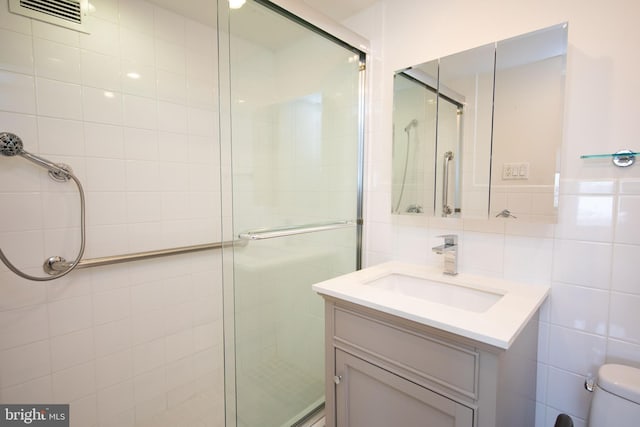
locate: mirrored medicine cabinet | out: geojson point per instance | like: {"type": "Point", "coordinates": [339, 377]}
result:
{"type": "Point", "coordinates": [477, 134]}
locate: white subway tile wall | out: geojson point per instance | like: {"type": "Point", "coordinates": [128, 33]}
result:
{"type": "Point", "coordinates": [589, 256]}
{"type": "Point", "coordinates": [132, 108]}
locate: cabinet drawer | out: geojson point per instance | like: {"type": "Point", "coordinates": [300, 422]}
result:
{"type": "Point", "coordinates": [438, 361]}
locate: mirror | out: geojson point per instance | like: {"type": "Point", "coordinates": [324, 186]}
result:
{"type": "Point", "coordinates": [414, 148]}
{"type": "Point", "coordinates": [478, 133]}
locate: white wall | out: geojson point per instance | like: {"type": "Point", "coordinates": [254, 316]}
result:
{"type": "Point", "coordinates": [588, 258]}
{"type": "Point", "coordinates": [130, 344]}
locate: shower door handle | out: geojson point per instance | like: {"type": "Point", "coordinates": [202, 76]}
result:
{"type": "Point", "coordinates": [271, 233]}
{"type": "Point", "coordinates": [446, 209]}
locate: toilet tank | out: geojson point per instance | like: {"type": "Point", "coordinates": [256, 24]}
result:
{"type": "Point", "coordinates": [616, 401]}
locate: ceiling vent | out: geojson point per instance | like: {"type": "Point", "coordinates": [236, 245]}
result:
{"type": "Point", "coordinates": [64, 13]}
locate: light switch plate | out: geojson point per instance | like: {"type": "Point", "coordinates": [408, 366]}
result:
{"type": "Point", "coordinates": [512, 171]}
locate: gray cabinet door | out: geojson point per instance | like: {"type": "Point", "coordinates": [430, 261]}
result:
{"type": "Point", "coordinates": [369, 396]}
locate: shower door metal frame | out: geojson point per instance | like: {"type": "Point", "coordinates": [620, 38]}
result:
{"type": "Point", "coordinates": [225, 137]}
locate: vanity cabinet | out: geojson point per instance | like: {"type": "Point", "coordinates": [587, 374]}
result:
{"type": "Point", "coordinates": [369, 396]}
{"type": "Point", "coordinates": [384, 371]}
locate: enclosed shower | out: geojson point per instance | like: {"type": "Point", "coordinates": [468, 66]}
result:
{"type": "Point", "coordinates": [296, 154]}
{"type": "Point", "coordinates": [174, 177]}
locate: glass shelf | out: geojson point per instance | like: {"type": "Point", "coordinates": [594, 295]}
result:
{"type": "Point", "coordinates": [622, 158]}
{"type": "Point", "coordinates": [609, 156]}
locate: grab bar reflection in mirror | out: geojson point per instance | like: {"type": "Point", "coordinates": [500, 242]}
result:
{"type": "Point", "coordinates": [446, 209]}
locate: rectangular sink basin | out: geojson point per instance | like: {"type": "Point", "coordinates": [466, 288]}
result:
{"type": "Point", "coordinates": [449, 294]}
{"type": "Point", "coordinates": [489, 310]}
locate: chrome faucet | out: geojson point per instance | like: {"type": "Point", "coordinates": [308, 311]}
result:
{"type": "Point", "coordinates": [450, 252]}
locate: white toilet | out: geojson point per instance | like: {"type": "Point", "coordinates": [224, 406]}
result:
{"type": "Point", "coordinates": [616, 399]}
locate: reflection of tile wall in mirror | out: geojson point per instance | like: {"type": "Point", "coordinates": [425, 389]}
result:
{"type": "Point", "coordinates": [413, 146]}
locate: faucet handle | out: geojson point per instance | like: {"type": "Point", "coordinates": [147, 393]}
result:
{"type": "Point", "coordinates": [449, 239]}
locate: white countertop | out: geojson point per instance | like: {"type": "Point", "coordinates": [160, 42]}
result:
{"type": "Point", "coordinates": [499, 325]}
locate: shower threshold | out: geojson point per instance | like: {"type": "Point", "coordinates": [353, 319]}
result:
{"type": "Point", "coordinates": [315, 418]}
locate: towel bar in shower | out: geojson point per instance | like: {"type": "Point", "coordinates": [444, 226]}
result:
{"type": "Point", "coordinates": [54, 264]}
{"type": "Point", "coordinates": [271, 233]}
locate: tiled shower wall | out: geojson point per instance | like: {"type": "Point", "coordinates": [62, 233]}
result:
{"type": "Point", "coordinates": [589, 256]}
{"type": "Point", "coordinates": [132, 108]}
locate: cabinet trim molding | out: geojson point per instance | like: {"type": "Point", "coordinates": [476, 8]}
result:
{"type": "Point", "coordinates": [350, 344]}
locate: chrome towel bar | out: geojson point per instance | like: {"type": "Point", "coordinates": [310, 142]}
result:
{"type": "Point", "coordinates": [54, 264]}
{"type": "Point", "coordinates": [271, 233]}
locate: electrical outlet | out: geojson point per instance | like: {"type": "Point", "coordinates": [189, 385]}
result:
{"type": "Point", "coordinates": [512, 171]}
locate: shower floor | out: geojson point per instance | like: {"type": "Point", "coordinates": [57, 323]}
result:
{"type": "Point", "coordinates": [270, 394]}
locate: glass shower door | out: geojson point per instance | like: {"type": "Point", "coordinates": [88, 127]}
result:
{"type": "Point", "coordinates": [296, 160]}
